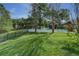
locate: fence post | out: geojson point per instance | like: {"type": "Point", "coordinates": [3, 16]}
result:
{"type": "Point", "coordinates": [7, 35]}
{"type": "Point", "coordinates": [15, 33]}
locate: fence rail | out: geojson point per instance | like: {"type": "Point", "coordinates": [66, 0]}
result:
{"type": "Point", "coordinates": [11, 35]}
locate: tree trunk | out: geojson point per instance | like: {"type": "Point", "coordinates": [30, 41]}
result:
{"type": "Point", "coordinates": [35, 28]}
{"type": "Point", "coordinates": [53, 28]}
{"type": "Point", "coordinates": [53, 25]}
{"type": "Point", "coordinates": [78, 25]}
{"type": "Point", "coordinates": [35, 25]}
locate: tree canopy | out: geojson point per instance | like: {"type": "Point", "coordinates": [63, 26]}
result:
{"type": "Point", "coordinates": [5, 21]}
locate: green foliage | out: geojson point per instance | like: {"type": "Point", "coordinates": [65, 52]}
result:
{"type": "Point", "coordinates": [23, 23]}
{"type": "Point", "coordinates": [64, 14]}
{"type": "Point", "coordinates": [39, 12]}
{"type": "Point", "coordinates": [5, 21]}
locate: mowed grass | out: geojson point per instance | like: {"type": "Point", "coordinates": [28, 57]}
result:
{"type": "Point", "coordinates": [40, 44]}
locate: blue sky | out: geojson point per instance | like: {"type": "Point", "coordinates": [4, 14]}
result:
{"type": "Point", "coordinates": [19, 10]}
{"type": "Point", "coordinates": [70, 7]}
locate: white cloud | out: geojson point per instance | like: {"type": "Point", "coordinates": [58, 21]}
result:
{"type": "Point", "coordinates": [19, 16]}
{"type": "Point", "coordinates": [12, 10]}
{"type": "Point", "coordinates": [23, 13]}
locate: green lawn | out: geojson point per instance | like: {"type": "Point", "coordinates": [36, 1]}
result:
{"type": "Point", "coordinates": [44, 44]}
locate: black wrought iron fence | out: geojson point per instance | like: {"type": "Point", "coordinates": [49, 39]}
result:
{"type": "Point", "coordinates": [11, 35]}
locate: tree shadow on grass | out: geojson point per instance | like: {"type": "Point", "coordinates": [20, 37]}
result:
{"type": "Point", "coordinates": [12, 36]}
{"type": "Point", "coordinates": [35, 45]}
{"type": "Point", "coordinates": [72, 48]}
{"type": "Point", "coordinates": [30, 47]}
